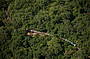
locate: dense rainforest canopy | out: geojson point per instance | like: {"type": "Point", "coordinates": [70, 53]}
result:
{"type": "Point", "coordinates": [68, 19]}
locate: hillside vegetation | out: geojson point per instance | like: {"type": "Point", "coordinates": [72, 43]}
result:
{"type": "Point", "coordinates": [69, 19]}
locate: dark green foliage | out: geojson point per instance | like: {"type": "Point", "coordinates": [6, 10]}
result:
{"type": "Point", "coordinates": [68, 19]}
